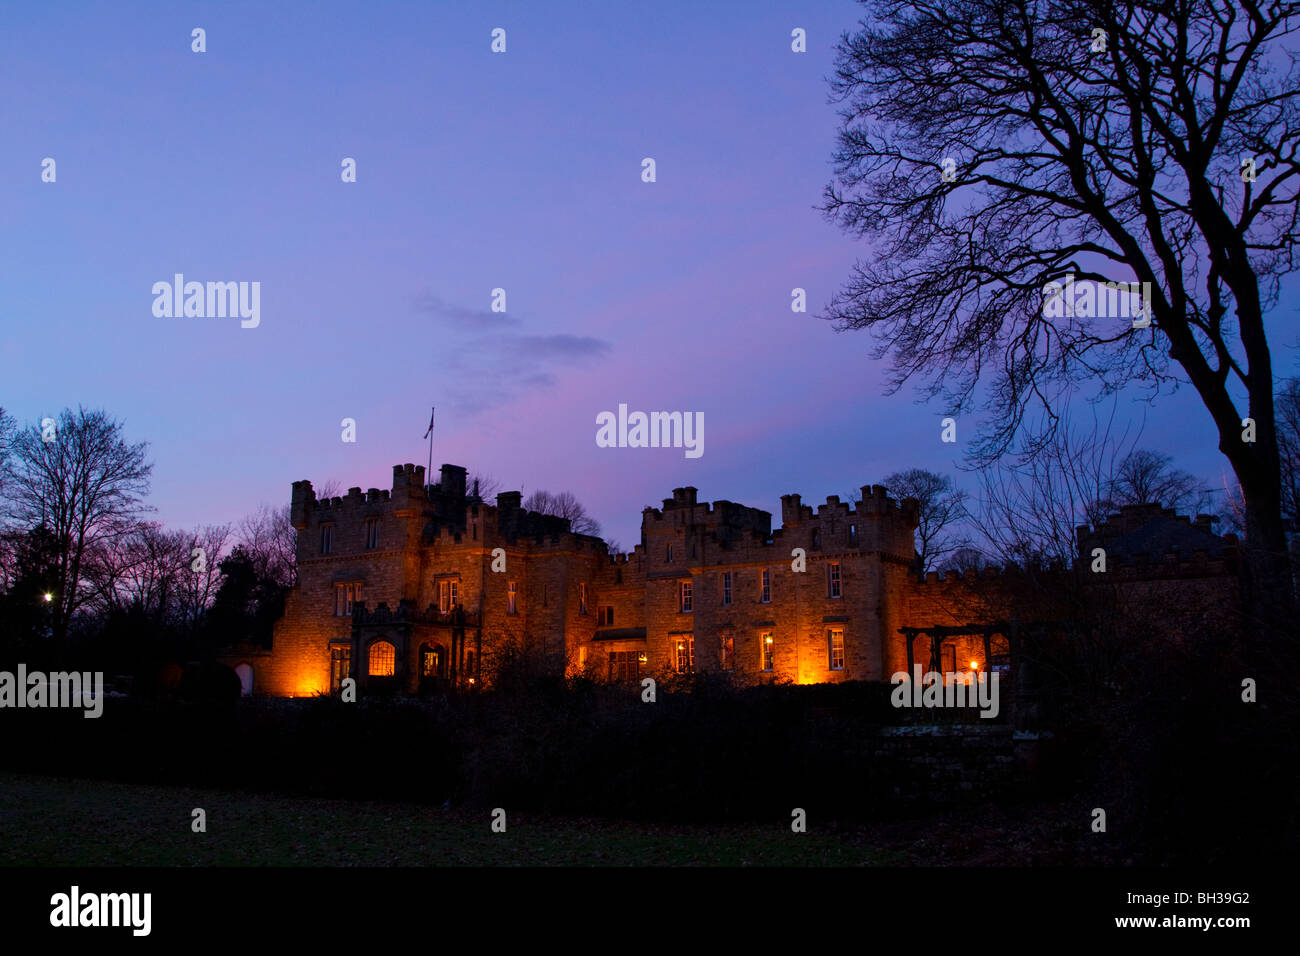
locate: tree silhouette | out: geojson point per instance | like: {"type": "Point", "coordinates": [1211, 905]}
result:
{"type": "Point", "coordinates": [990, 149]}
{"type": "Point", "coordinates": [85, 483]}
{"type": "Point", "coordinates": [939, 506]}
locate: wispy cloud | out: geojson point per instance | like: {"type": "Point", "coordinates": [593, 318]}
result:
{"type": "Point", "coordinates": [561, 347]}
{"type": "Point", "coordinates": [490, 364]}
{"type": "Point", "coordinates": [461, 316]}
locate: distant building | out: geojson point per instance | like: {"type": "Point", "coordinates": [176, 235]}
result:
{"type": "Point", "coordinates": [425, 586]}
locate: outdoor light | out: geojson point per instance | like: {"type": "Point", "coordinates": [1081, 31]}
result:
{"type": "Point", "coordinates": [974, 665]}
{"type": "Point", "coordinates": [769, 640]}
{"type": "Point", "coordinates": [48, 597]}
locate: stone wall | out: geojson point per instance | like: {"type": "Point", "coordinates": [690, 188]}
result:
{"type": "Point", "coordinates": [428, 535]}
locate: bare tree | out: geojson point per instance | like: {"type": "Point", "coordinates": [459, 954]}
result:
{"type": "Point", "coordinates": [8, 429]}
{"type": "Point", "coordinates": [940, 506]}
{"type": "Point", "coordinates": [484, 485]}
{"type": "Point", "coordinates": [1031, 506]}
{"type": "Point", "coordinates": [271, 541]}
{"type": "Point", "coordinates": [1234, 511]}
{"type": "Point", "coordinates": [201, 579]}
{"type": "Point", "coordinates": [1145, 476]}
{"type": "Point", "coordinates": [992, 149]}
{"type": "Point", "coordinates": [330, 488]}
{"type": "Point", "coordinates": [965, 559]}
{"type": "Point", "coordinates": [1288, 436]}
{"type": "Point", "coordinates": [142, 568]}
{"type": "Point", "coordinates": [79, 478]}
{"type": "Point", "coordinates": [564, 504]}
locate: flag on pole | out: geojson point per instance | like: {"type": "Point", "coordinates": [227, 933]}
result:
{"type": "Point", "coordinates": [431, 411]}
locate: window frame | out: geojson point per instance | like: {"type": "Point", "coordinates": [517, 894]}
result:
{"type": "Point", "coordinates": [830, 649]}
{"type": "Point", "coordinates": [340, 665]}
{"type": "Point", "coordinates": [619, 662]}
{"type": "Point", "coordinates": [370, 658]}
{"type": "Point", "coordinates": [685, 649]}
{"type": "Point", "coordinates": [346, 595]}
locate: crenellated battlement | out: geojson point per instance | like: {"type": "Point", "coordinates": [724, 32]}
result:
{"type": "Point", "coordinates": [991, 574]}
{"type": "Point", "coordinates": [831, 590]}
{"type": "Point", "coordinates": [304, 506]}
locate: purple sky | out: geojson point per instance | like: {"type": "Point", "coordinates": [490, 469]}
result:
{"type": "Point", "coordinates": [475, 171]}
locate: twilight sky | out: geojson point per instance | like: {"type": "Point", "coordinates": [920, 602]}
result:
{"type": "Point", "coordinates": [474, 171]}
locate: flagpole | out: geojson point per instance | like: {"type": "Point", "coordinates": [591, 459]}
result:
{"type": "Point", "coordinates": [428, 475]}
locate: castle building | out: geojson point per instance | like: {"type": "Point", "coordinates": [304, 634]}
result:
{"type": "Point", "coordinates": [426, 585]}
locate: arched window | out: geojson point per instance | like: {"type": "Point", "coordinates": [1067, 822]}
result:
{"type": "Point", "coordinates": [383, 659]}
{"type": "Point", "coordinates": [433, 660]}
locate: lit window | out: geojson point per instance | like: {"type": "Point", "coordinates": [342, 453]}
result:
{"type": "Point", "coordinates": [685, 655]}
{"type": "Point", "coordinates": [767, 650]}
{"type": "Point", "coordinates": [726, 588]}
{"type": "Point", "coordinates": [605, 616]}
{"type": "Point", "coordinates": [345, 595]}
{"type": "Point", "coordinates": [511, 594]}
{"type": "Point", "coordinates": [624, 665]}
{"type": "Point", "coordinates": [448, 596]}
{"type": "Point", "coordinates": [835, 641]}
{"type": "Point", "coordinates": [765, 586]}
{"type": "Point", "coordinates": [728, 652]}
{"type": "Point", "coordinates": [372, 532]}
{"type": "Point", "coordinates": [326, 538]}
{"type": "Point", "coordinates": [383, 659]}
{"type": "Point", "coordinates": [687, 596]}
{"type": "Point", "coordinates": [582, 598]}
{"type": "Point", "coordinates": [833, 579]}
{"type": "Point", "coordinates": [340, 665]}
{"type": "Point", "coordinates": [431, 661]}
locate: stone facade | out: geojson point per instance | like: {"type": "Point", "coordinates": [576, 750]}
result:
{"type": "Point", "coordinates": [426, 586]}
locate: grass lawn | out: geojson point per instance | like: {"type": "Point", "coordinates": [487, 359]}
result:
{"type": "Point", "coordinates": [52, 821]}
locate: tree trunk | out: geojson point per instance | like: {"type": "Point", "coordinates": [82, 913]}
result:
{"type": "Point", "coordinates": [1267, 593]}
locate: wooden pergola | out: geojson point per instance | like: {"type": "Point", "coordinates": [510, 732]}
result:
{"type": "Point", "coordinates": [937, 633]}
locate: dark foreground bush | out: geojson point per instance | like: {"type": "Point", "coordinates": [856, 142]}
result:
{"type": "Point", "coordinates": [561, 746]}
